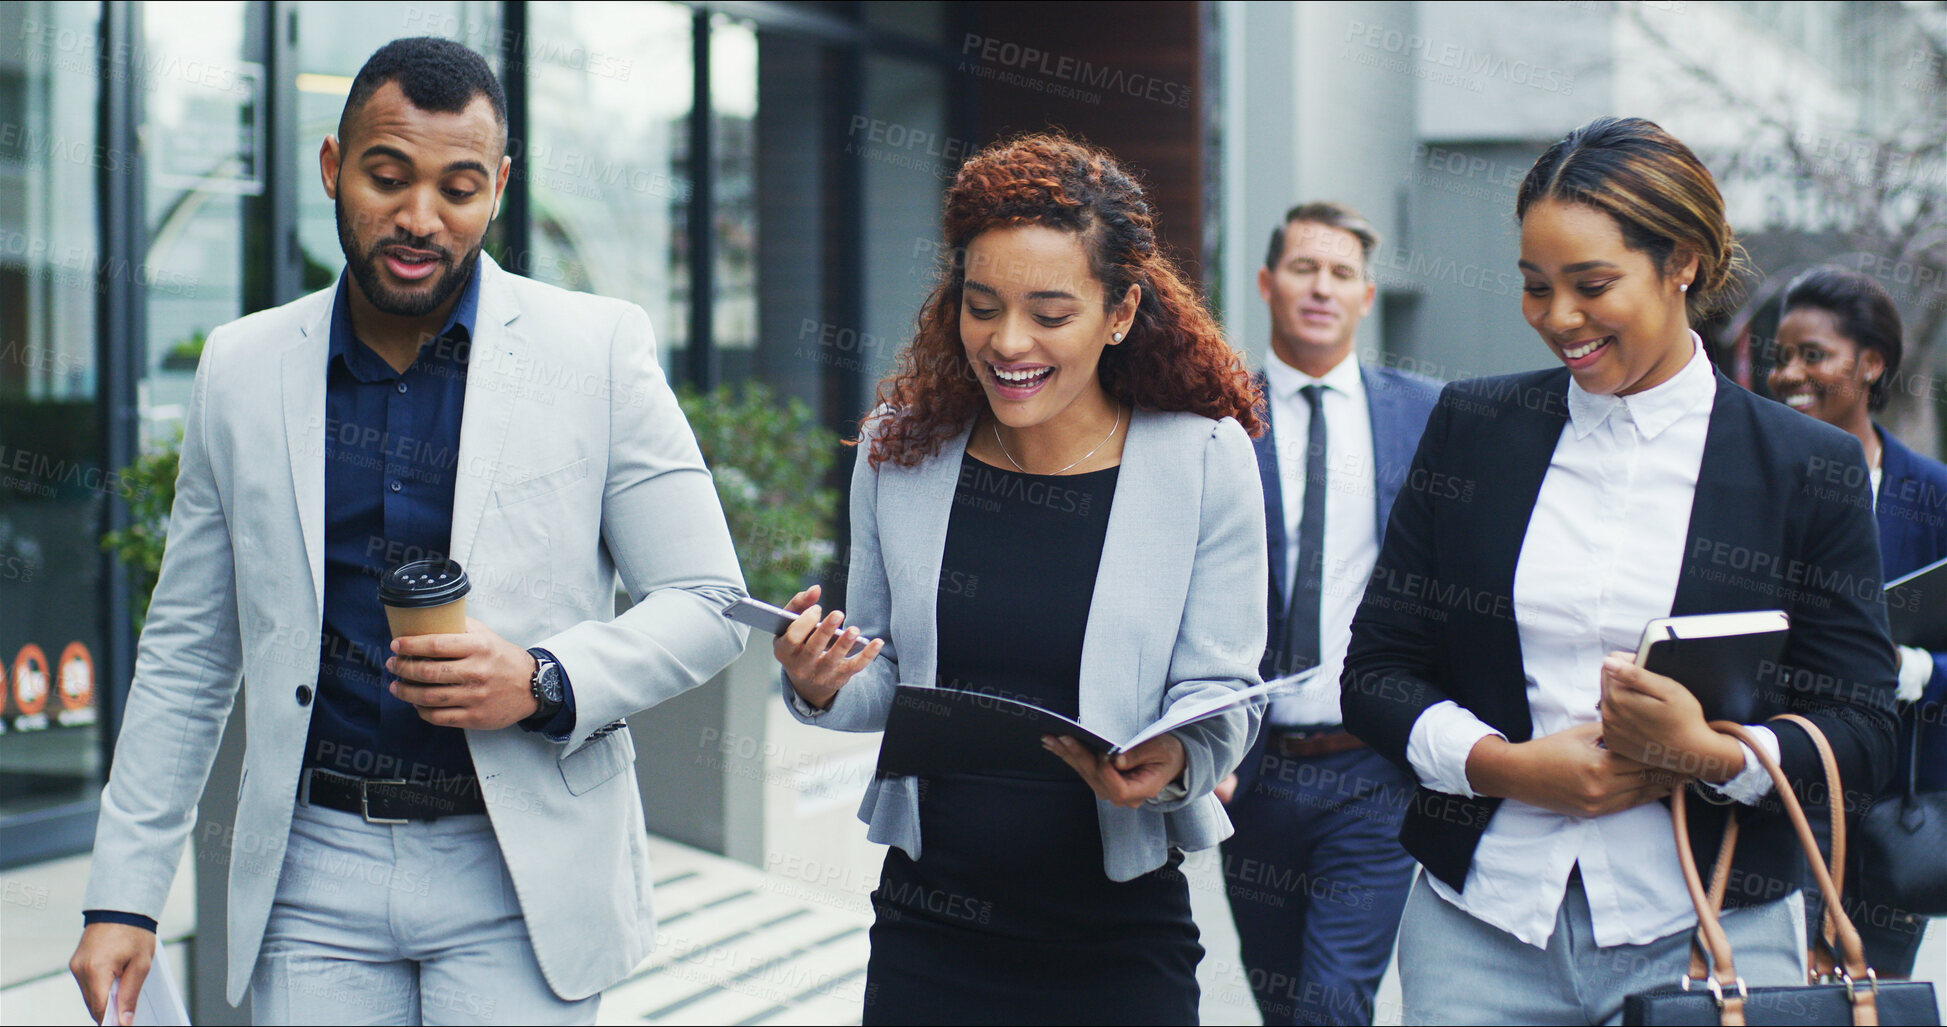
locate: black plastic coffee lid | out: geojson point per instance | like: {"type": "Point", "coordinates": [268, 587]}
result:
{"type": "Point", "coordinates": [423, 583]}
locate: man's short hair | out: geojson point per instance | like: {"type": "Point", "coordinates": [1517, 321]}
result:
{"type": "Point", "coordinates": [1331, 215]}
{"type": "Point", "coordinates": [437, 75]}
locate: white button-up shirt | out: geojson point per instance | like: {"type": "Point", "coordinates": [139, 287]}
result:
{"type": "Point", "coordinates": [1601, 558]}
{"type": "Point", "coordinates": [1351, 532]}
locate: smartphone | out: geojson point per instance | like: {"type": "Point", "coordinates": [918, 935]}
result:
{"type": "Point", "coordinates": [774, 619]}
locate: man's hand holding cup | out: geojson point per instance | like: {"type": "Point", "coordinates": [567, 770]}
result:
{"type": "Point", "coordinates": [457, 671]}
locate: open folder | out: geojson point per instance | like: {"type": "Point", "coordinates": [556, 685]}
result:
{"type": "Point", "coordinates": [1916, 607]}
{"type": "Point", "coordinates": [949, 731]}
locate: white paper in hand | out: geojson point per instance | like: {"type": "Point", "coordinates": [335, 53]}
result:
{"type": "Point", "coordinates": [1188, 713]}
{"type": "Point", "coordinates": [159, 1004]}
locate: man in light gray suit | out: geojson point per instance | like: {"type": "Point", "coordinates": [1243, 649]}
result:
{"type": "Point", "coordinates": [441, 828]}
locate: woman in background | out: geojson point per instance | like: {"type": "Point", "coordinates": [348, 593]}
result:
{"type": "Point", "coordinates": [1838, 350]}
{"type": "Point", "coordinates": [1489, 655]}
{"type": "Point", "coordinates": [1056, 501]}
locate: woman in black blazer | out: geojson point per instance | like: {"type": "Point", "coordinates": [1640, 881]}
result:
{"type": "Point", "coordinates": [1632, 482]}
{"type": "Point", "coordinates": [1839, 348]}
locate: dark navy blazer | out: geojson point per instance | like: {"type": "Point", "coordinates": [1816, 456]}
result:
{"type": "Point", "coordinates": [1912, 513]}
{"type": "Point", "coordinates": [1781, 519]}
{"type": "Point", "coordinates": [1398, 404]}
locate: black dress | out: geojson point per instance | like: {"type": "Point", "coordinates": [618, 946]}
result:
{"type": "Point", "coordinates": [1008, 916]}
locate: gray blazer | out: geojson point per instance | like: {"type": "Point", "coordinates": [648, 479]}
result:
{"type": "Point", "coordinates": [1178, 615]}
{"type": "Point", "coordinates": [575, 468]}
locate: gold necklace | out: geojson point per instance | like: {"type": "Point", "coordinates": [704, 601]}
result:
{"type": "Point", "coordinates": [1117, 426]}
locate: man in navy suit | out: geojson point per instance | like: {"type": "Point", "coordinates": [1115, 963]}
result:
{"type": "Point", "coordinates": [1315, 874]}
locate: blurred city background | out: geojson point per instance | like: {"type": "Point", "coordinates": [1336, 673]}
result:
{"type": "Point", "coordinates": [765, 180]}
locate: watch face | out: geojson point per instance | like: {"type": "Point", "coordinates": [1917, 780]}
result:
{"type": "Point", "coordinates": [551, 682]}
{"type": "Point", "coordinates": [547, 681]}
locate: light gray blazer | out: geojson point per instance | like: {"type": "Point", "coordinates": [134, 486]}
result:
{"type": "Point", "coordinates": [1177, 616]}
{"type": "Point", "coordinates": [575, 467]}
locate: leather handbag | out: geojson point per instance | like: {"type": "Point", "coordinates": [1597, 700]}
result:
{"type": "Point", "coordinates": [1842, 988]}
{"type": "Point", "coordinates": [1901, 842]}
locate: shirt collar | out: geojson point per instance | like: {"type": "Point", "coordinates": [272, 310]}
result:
{"type": "Point", "coordinates": [1654, 409]}
{"type": "Point", "coordinates": [367, 365]}
{"type": "Point", "coordinates": [1285, 380]}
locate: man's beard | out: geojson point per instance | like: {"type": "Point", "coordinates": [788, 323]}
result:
{"type": "Point", "coordinates": [365, 270]}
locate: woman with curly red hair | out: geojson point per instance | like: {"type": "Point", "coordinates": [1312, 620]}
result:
{"type": "Point", "coordinates": [1056, 501]}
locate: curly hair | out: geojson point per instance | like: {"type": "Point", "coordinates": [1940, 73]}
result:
{"type": "Point", "coordinates": [1174, 357]}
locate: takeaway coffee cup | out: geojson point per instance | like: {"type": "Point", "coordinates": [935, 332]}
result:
{"type": "Point", "coordinates": [425, 597]}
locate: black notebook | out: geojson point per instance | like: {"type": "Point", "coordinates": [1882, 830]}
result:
{"type": "Point", "coordinates": [949, 731]}
{"type": "Point", "coordinates": [1916, 607]}
{"type": "Point", "coordinates": [1723, 658]}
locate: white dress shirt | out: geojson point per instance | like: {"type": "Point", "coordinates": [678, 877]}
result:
{"type": "Point", "coordinates": [1351, 523]}
{"type": "Point", "coordinates": [1602, 556]}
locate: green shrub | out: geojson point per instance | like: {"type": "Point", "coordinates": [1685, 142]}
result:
{"type": "Point", "coordinates": [770, 457]}
{"type": "Point", "coordinates": [150, 485]}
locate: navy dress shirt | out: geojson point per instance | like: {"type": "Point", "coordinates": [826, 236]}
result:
{"type": "Point", "coordinates": [391, 444]}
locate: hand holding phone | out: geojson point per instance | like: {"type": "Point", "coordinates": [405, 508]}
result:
{"type": "Point", "coordinates": [775, 620]}
{"type": "Point", "coordinates": [819, 654]}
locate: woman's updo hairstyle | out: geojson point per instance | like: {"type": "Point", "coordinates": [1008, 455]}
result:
{"type": "Point", "coordinates": [1863, 311]}
{"type": "Point", "coordinates": [1660, 194]}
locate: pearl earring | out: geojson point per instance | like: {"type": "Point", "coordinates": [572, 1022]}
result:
{"type": "Point", "coordinates": [1117, 336]}
{"type": "Point", "coordinates": [1685, 287]}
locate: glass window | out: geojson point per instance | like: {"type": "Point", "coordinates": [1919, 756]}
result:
{"type": "Point", "coordinates": [609, 90]}
{"type": "Point", "coordinates": [797, 341]}
{"type": "Point", "coordinates": [892, 146]}
{"type": "Point", "coordinates": [53, 489]}
{"type": "Point", "coordinates": [202, 137]}
{"type": "Point", "coordinates": [908, 160]}
{"type": "Point", "coordinates": [924, 21]}
{"type": "Point", "coordinates": [733, 127]}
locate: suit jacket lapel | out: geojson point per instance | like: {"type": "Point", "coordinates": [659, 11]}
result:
{"type": "Point", "coordinates": [1894, 541]}
{"type": "Point", "coordinates": [1150, 505]}
{"type": "Point", "coordinates": [1734, 495]}
{"type": "Point", "coordinates": [1516, 461]}
{"type": "Point", "coordinates": [1391, 454]}
{"type": "Point", "coordinates": [304, 368]}
{"type": "Point", "coordinates": [498, 355]}
{"type": "Point", "coordinates": [913, 518]}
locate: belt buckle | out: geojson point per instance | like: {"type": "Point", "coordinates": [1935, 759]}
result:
{"type": "Point", "coordinates": [365, 799]}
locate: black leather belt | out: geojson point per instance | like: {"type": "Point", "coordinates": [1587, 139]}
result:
{"type": "Point", "coordinates": [1309, 743]}
{"type": "Point", "coordinates": [388, 800]}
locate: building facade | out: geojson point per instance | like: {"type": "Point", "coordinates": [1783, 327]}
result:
{"type": "Point", "coordinates": [763, 178]}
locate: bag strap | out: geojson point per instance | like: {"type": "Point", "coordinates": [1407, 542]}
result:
{"type": "Point", "coordinates": [1912, 725]}
{"type": "Point", "coordinates": [1725, 986]}
{"type": "Point", "coordinates": [1824, 958]}
{"type": "Point", "coordinates": [1719, 877]}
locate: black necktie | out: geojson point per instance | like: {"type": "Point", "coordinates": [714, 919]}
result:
{"type": "Point", "coordinates": [1301, 646]}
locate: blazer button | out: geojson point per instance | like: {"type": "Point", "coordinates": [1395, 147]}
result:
{"type": "Point", "coordinates": [304, 695]}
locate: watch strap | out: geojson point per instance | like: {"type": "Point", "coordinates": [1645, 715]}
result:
{"type": "Point", "coordinates": [547, 706]}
